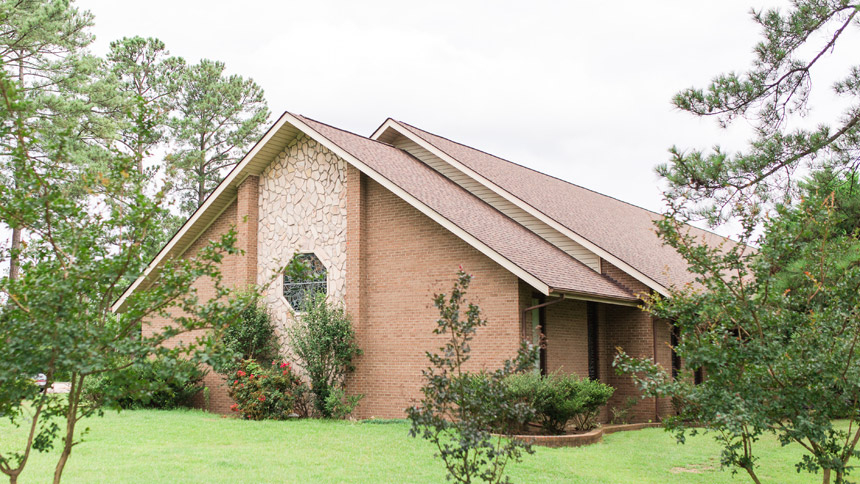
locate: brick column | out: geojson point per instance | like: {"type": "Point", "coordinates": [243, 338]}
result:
{"type": "Point", "coordinates": [354, 299]}
{"type": "Point", "coordinates": [355, 207]}
{"type": "Point", "coordinates": [247, 221]}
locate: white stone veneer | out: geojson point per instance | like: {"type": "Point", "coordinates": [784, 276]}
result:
{"type": "Point", "coordinates": [302, 209]}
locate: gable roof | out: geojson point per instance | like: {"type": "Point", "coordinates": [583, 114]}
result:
{"type": "Point", "coordinates": [529, 252]}
{"type": "Point", "coordinates": [520, 251]}
{"type": "Point", "coordinates": [617, 231]}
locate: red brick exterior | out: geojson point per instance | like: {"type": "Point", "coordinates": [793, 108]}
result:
{"type": "Point", "coordinates": [567, 338]}
{"type": "Point", "coordinates": [396, 260]}
{"type": "Point", "coordinates": [219, 400]}
{"type": "Point", "coordinates": [639, 335]}
{"type": "Point", "coordinates": [405, 258]}
{"type": "Point", "coordinates": [247, 228]}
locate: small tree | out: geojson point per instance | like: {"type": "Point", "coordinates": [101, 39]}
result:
{"type": "Point", "coordinates": [57, 316]}
{"type": "Point", "coordinates": [775, 329]}
{"type": "Point", "coordinates": [323, 341]}
{"type": "Point", "coordinates": [461, 409]}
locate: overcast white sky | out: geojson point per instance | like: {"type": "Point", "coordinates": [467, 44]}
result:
{"type": "Point", "coordinates": [579, 90]}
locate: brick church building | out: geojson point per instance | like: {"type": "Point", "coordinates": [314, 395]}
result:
{"type": "Point", "coordinates": [386, 221]}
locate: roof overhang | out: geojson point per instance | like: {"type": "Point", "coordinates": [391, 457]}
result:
{"type": "Point", "coordinates": [384, 133]}
{"type": "Point", "coordinates": [263, 152]}
{"type": "Point", "coordinates": [278, 137]}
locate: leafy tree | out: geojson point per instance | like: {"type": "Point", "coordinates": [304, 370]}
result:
{"type": "Point", "coordinates": [460, 409]}
{"type": "Point", "coordinates": [776, 336]}
{"type": "Point", "coordinates": [219, 116]}
{"type": "Point", "coordinates": [146, 81]}
{"type": "Point", "coordinates": [57, 317]}
{"type": "Point", "coordinates": [323, 341]}
{"type": "Point", "coordinates": [775, 328]}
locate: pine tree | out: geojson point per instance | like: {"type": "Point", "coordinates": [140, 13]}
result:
{"type": "Point", "coordinates": [219, 116]}
{"type": "Point", "coordinates": [42, 49]}
{"type": "Point", "coordinates": [149, 80]}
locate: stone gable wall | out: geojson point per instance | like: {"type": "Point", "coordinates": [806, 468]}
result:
{"type": "Point", "coordinates": [302, 208]}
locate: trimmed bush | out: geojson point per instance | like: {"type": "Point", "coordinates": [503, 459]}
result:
{"type": "Point", "coordinates": [265, 391]}
{"type": "Point", "coordinates": [163, 383]}
{"type": "Point", "coordinates": [559, 399]}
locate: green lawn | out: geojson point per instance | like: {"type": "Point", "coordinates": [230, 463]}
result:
{"type": "Point", "coordinates": [189, 446]}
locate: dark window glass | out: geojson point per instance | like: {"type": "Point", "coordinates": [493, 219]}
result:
{"type": "Point", "coordinates": [676, 360]}
{"type": "Point", "coordinates": [593, 348]}
{"type": "Point", "coordinates": [312, 281]}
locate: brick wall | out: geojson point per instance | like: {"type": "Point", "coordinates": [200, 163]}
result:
{"type": "Point", "coordinates": [405, 258]}
{"type": "Point", "coordinates": [567, 338]}
{"type": "Point", "coordinates": [633, 330]}
{"type": "Point", "coordinates": [231, 267]}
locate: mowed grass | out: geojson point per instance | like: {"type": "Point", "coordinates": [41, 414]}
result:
{"type": "Point", "coordinates": [146, 446]}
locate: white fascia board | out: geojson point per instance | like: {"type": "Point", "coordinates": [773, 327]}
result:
{"type": "Point", "coordinates": [421, 207]}
{"type": "Point", "coordinates": [229, 180]}
{"type": "Point", "coordinates": [390, 123]}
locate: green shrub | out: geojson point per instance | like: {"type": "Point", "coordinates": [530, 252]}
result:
{"type": "Point", "coordinates": [164, 383]}
{"type": "Point", "coordinates": [265, 391]}
{"type": "Point", "coordinates": [253, 338]}
{"type": "Point", "coordinates": [339, 405]}
{"type": "Point", "coordinates": [460, 411]}
{"type": "Point", "coordinates": [558, 399]}
{"type": "Point", "coordinates": [323, 341]}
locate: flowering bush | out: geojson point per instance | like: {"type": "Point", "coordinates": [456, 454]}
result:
{"type": "Point", "coordinates": [265, 391]}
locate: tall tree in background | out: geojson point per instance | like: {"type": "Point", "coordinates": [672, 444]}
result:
{"type": "Point", "coordinates": [42, 46]}
{"type": "Point", "coordinates": [218, 117]}
{"type": "Point", "coordinates": [150, 80]}
{"type": "Point", "coordinates": [776, 329]}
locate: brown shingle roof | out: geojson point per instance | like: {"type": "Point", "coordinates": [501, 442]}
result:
{"type": "Point", "coordinates": [624, 230]}
{"type": "Point", "coordinates": [517, 244]}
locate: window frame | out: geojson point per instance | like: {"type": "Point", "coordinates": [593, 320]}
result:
{"type": "Point", "coordinates": [324, 283]}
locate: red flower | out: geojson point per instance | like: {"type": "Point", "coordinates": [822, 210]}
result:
{"type": "Point", "coordinates": [274, 362]}
{"type": "Point", "coordinates": [234, 407]}
{"type": "Point", "coordinates": [286, 371]}
{"type": "Point", "coordinates": [284, 365]}
{"type": "Point", "coordinates": [252, 376]}
{"type": "Point", "coordinates": [262, 398]}
{"type": "Point", "coordinates": [241, 373]}
{"type": "Point", "coordinates": [241, 385]}
{"type": "Point", "coordinates": [235, 382]}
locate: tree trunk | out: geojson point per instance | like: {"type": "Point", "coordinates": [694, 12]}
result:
{"type": "Point", "coordinates": [71, 420]}
{"type": "Point", "coordinates": [14, 266]}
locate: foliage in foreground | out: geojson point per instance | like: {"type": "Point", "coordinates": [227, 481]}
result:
{"type": "Point", "coordinates": [777, 340]}
{"type": "Point", "coordinates": [161, 383]}
{"type": "Point", "coordinates": [323, 341]}
{"type": "Point", "coordinates": [57, 314]}
{"type": "Point", "coordinates": [458, 410]}
{"type": "Point", "coordinates": [775, 329]}
{"type": "Point", "coordinates": [558, 398]}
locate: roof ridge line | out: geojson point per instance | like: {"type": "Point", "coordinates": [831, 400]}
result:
{"type": "Point", "coordinates": [549, 176]}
